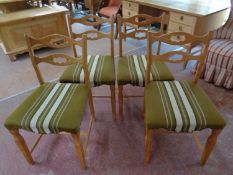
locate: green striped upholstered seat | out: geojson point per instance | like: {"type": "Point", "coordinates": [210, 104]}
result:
{"type": "Point", "coordinates": [101, 68]}
{"type": "Point", "coordinates": [51, 108]}
{"type": "Point", "coordinates": [132, 70]}
{"type": "Point", "coordinates": [180, 106]}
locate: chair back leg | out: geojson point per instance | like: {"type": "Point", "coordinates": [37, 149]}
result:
{"type": "Point", "coordinates": [92, 109]}
{"type": "Point", "coordinates": [20, 142]}
{"type": "Point", "coordinates": [211, 141]}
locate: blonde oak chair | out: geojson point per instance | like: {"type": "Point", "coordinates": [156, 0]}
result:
{"type": "Point", "coordinates": [101, 67]}
{"type": "Point", "coordinates": [54, 107]}
{"type": "Point", "coordinates": [132, 68]}
{"type": "Point", "coordinates": [179, 106]}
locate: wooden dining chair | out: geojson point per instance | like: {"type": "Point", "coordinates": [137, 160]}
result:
{"type": "Point", "coordinates": [179, 106]}
{"type": "Point", "coordinates": [101, 67]}
{"type": "Point", "coordinates": [53, 108]}
{"type": "Point", "coordinates": [132, 68]}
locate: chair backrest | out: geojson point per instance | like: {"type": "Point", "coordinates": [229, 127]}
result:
{"type": "Point", "coordinates": [140, 20]}
{"type": "Point", "coordinates": [95, 21]}
{"type": "Point", "coordinates": [57, 41]}
{"type": "Point", "coordinates": [178, 39]}
{"type": "Point", "coordinates": [115, 3]}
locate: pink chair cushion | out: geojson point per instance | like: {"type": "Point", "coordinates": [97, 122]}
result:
{"type": "Point", "coordinates": [109, 11]}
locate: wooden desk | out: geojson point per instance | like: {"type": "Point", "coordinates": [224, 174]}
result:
{"type": "Point", "coordinates": [37, 22]}
{"type": "Point", "coordinates": [192, 16]}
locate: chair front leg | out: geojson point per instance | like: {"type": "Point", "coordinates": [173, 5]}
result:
{"type": "Point", "coordinates": [19, 140]}
{"type": "Point", "coordinates": [211, 141]}
{"type": "Point", "coordinates": [120, 98]}
{"type": "Point", "coordinates": [79, 150]}
{"type": "Point", "coordinates": [148, 143]}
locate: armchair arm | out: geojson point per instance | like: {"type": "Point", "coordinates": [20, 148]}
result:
{"type": "Point", "coordinates": [226, 31]}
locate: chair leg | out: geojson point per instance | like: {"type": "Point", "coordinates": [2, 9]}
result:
{"type": "Point", "coordinates": [79, 150]}
{"type": "Point", "coordinates": [148, 143]}
{"type": "Point", "coordinates": [120, 98]}
{"type": "Point", "coordinates": [91, 105]}
{"type": "Point", "coordinates": [211, 141]}
{"type": "Point", "coordinates": [22, 145]}
{"type": "Point", "coordinates": [113, 101]}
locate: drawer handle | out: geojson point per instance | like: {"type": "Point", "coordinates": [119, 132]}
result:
{"type": "Point", "coordinates": [129, 13]}
{"type": "Point", "coordinates": [129, 5]}
{"type": "Point", "coordinates": [181, 18]}
{"type": "Point", "coordinates": [178, 37]}
{"type": "Point", "coordinates": [180, 28]}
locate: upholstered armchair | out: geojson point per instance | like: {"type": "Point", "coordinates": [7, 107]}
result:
{"type": "Point", "coordinates": [219, 62]}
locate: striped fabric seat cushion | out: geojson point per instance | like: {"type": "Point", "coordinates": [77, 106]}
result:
{"type": "Point", "coordinates": [179, 106]}
{"type": "Point", "coordinates": [132, 70]}
{"type": "Point", "coordinates": [219, 63]}
{"type": "Point", "coordinates": [51, 108]}
{"type": "Point", "coordinates": [101, 69]}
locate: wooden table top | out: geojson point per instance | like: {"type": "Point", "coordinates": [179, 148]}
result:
{"type": "Point", "coordinates": [192, 7]}
{"type": "Point", "coordinates": [31, 13]}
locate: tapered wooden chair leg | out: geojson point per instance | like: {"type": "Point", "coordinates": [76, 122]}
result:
{"type": "Point", "coordinates": [120, 98]}
{"type": "Point", "coordinates": [148, 143]}
{"type": "Point", "coordinates": [79, 150]}
{"type": "Point", "coordinates": [22, 145]}
{"type": "Point", "coordinates": [91, 105]}
{"type": "Point", "coordinates": [211, 141]}
{"type": "Point", "coordinates": [113, 101]}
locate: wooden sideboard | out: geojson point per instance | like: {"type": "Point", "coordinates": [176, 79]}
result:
{"type": "Point", "coordinates": [36, 22]}
{"type": "Point", "coordinates": [192, 16]}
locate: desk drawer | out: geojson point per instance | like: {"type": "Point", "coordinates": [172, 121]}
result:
{"type": "Point", "coordinates": [184, 19]}
{"type": "Point", "coordinates": [129, 13]}
{"type": "Point", "coordinates": [177, 27]}
{"type": "Point", "coordinates": [130, 5]}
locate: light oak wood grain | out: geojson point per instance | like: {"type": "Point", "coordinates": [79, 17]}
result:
{"type": "Point", "coordinates": [193, 7]}
{"type": "Point", "coordinates": [37, 22]}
